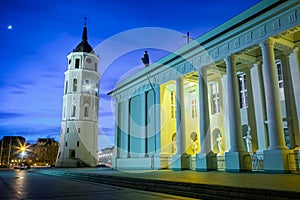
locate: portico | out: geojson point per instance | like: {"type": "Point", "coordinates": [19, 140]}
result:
{"type": "Point", "coordinates": [228, 100]}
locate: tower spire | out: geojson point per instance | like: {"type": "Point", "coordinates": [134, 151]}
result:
{"type": "Point", "coordinates": [84, 46]}
{"type": "Point", "coordinates": [84, 33]}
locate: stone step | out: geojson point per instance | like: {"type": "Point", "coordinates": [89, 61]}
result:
{"type": "Point", "coordinates": [185, 189]}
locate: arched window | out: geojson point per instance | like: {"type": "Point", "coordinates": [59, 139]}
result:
{"type": "Point", "coordinates": [74, 84]}
{"type": "Point", "coordinates": [73, 111]}
{"type": "Point", "coordinates": [66, 87]}
{"type": "Point", "coordinates": [78, 143]}
{"type": "Point", "coordinates": [86, 111]}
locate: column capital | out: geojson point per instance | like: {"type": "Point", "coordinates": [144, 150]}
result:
{"type": "Point", "coordinates": [268, 42]}
{"type": "Point", "coordinates": [230, 58]}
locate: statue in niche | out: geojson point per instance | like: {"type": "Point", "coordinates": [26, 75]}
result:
{"type": "Point", "coordinates": [248, 140]}
{"type": "Point", "coordinates": [220, 147]}
{"type": "Point", "coordinates": [174, 145]}
{"type": "Point", "coordinates": [194, 145]}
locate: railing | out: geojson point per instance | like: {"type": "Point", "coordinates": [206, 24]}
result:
{"type": "Point", "coordinates": [257, 162]}
{"type": "Point", "coordinates": [294, 162]}
{"type": "Point", "coordinates": [221, 165]}
{"type": "Point", "coordinates": [193, 163]}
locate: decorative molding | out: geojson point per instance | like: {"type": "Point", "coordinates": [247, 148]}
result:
{"type": "Point", "coordinates": [293, 17]}
{"type": "Point", "coordinates": [262, 31]}
{"type": "Point", "coordinates": [276, 24]}
{"type": "Point", "coordinates": [249, 36]}
{"type": "Point", "coordinates": [236, 43]}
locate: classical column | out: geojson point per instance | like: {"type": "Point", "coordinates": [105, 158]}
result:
{"type": "Point", "coordinates": [274, 114]}
{"type": "Point", "coordinates": [143, 134]}
{"type": "Point", "coordinates": [204, 159]}
{"type": "Point", "coordinates": [157, 118]}
{"type": "Point", "coordinates": [276, 157]}
{"type": "Point", "coordinates": [234, 107]}
{"type": "Point", "coordinates": [295, 68]}
{"type": "Point", "coordinates": [180, 119]}
{"type": "Point", "coordinates": [180, 159]}
{"type": "Point", "coordinates": [116, 154]}
{"type": "Point", "coordinates": [235, 157]}
{"type": "Point", "coordinates": [250, 110]}
{"type": "Point", "coordinates": [156, 157]}
{"type": "Point", "coordinates": [290, 105]}
{"type": "Point", "coordinates": [259, 107]}
{"type": "Point", "coordinates": [128, 126]}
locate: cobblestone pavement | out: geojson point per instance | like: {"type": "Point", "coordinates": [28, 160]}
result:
{"type": "Point", "coordinates": [22, 184]}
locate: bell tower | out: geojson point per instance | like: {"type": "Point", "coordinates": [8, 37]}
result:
{"type": "Point", "coordinates": [79, 125]}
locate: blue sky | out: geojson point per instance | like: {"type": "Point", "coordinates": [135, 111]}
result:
{"type": "Point", "coordinates": [33, 52]}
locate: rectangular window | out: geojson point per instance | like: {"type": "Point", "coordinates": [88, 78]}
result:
{"type": "Point", "coordinates": [215, 98]}
{"type": "Point", "coordinates": [243, 91]}
{"type": "Point", "coordinates": [73, 111]}
{"type": "Point", "coordinates": [77, 143]}
{"type": "Point", "coordinates": [78, 130]}
{"type": "Point", "coordinates": [66, 144]}
{"type": "Point", "coordinates": [72, 153]}
{"type": "Point", "coordinates": [280, 80]}
{"type": "Point", "coordinates": [77, 62]}
{"type": "Point", "coordinates": [66, 88]}
{"type": "Point", "coordinates": [173, 104]}
{"type": "Point", "coordinates": [67, 130]}
{"type": "Point", "coordinates": [74, 85]}
{"type": "Point", "coordinates": [96, 64]}
{"type": "Point", "coordinates": [193, 104]}
{"type": "Point", "coordinates": [86, 111]}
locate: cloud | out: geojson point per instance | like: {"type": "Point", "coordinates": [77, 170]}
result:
{"type": "Point", "coordinates": [10, 115]}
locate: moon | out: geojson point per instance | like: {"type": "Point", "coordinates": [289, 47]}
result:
{"type": "Point", "coordinates": [9, 27]}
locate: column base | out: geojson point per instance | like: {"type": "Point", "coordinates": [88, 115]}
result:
{"type": "Point", "coordinates": [180, 162]}
{"type": "Point", "coordinates": [276, 161]}
{"type": "Point", "coordinates": [237, 161]}
{"type": "Point", "coordinates": [206, 161]}
{"type": "Point", "coordinates": [114, 163]}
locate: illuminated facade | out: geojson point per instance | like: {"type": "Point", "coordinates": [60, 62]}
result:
{"type": "Point", "coordinates": [229, 100]}
{"type": "Point", "coordinates": [79, 125]}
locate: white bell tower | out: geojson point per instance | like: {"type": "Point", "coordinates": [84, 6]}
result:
{"type": "Point", "coordinates": [79, 125]}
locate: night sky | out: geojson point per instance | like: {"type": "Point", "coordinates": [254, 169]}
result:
{"type": "Point", "coordinates": [36, 37]}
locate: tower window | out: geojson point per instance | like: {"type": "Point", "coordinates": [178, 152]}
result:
{"type": "Point", "coordinates": [66, 144]}
{"type": "Point", "coordinates": [72, 153]}
{"type": "Point", "coordinates": [77, 143]}
{"type": "Point", "coordinates": [96, 65]}
{"type": "Point", "coordinates": [74, 85]}
{"type": "Point", "coordinates": [173, 104]}
{"type": "Point", "coordinates": [215, 98]}
{"type": "Point", "coordinates": [86, 111]}
{"type": "Point", "coordinates": [67, 130]}
{"type": "Point", "coordinates": [78, 130]}
{"type": "Point", "coordinates": [73, 111]}
{"type": "Point", "coordinates": [77, 62]}
{"type": "Point", "coordinates": [243, 90]}
{"type": "Point", "coordinates": [64, 112]}
{"type": "Point", "coordinates": [66, 87]}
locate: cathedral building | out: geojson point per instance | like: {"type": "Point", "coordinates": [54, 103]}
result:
{"type": "Point", "coordinates": [229, 100]}
{"type": "Point", "coordinates": [79, 125]}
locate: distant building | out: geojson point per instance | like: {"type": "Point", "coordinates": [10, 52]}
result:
{"type": "Point", "coordinates": [106, 155]}
{"type": "Point", "coordinates": [9, 152]}
{"type": "Point", "coordinates": [44, 152]}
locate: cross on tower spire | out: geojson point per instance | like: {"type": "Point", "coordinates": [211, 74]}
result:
{"type": "Point", "coordinates": [85, 19]}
